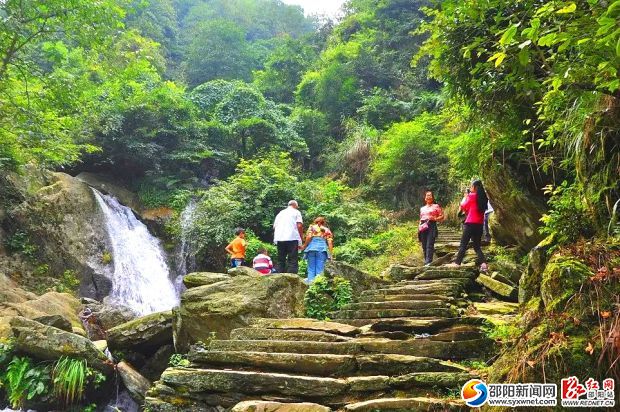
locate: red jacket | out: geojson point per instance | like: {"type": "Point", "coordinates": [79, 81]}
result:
{"type": "Point", "coordinates": [470, 206]}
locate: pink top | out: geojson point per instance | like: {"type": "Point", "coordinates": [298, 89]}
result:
{"type": "Point", "coordinates": [470, 206]}
{"type": "Point", "coordinates": [430, 211]}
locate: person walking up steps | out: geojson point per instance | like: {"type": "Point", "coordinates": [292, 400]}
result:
{"type": "Point", "coordinates": [288, 230]}
{"type": "Point", "coordinates": [473, 204]}
{"type": "Point", "coordinates": [318, 247]}
{"type": "Point", "coordinates": [430, 214]}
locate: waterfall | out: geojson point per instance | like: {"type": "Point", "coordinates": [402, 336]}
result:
{"type": "Point", "coordinates": [185, 258]}
{"type": "Point", "coordinates": [140, 277]}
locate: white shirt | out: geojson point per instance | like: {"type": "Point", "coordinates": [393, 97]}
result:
{"type": "Point", "coordinates": [285, 225]}
{"type": "Point", "coordinates": [489, 208]}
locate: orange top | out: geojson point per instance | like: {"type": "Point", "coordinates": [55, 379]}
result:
{"type": "Point", "coordinates": [238, 247]}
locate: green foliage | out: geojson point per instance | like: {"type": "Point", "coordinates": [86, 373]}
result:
{"type": "Point", "coordinates": [409, 162]}
{"type": "Point", "coordinates": [539, 78]}
{"type": "Point", "coordinates": [68, 282]}
{"type": "Point", "coordinates": [178, 359]}
{"type": "Point", "coordinates": [567, 219]}
{"type": "Point", "coordinates": [327, 295]}
{"type": "Point", "coordinates": [7, 348]}
{"type": "Point", "coordinates": [106, 258]}
{"type": "Point", "coordinates": [42, 121]}
{"type": "Point", "coordinates": [70, 380]}
{"type": "Point", "coordinates": [19, 242]}
{"type": "Point", "coordinates": [22, 380]}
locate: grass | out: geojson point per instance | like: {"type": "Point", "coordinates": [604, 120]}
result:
{"type": "Point", "coordinates": [69, 377]}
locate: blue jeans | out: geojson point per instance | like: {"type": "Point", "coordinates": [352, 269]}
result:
{"type": "Point", "coordinates": [316, 263]}
{"type": "Point", "coordinates": [236, 262]}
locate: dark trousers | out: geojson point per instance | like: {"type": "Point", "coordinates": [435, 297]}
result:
{"type": "Point", "coordinates": [288, 257]}
{"type": "Point", "coordinates": [473, 232]}
{"type": "Point", "coordinates": [427, 239]}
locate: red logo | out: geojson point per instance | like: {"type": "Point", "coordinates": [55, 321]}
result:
{"type": "Point", "coordinates": [572, 389]}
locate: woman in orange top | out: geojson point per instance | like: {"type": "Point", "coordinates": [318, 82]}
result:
{"type": "Point", "coordinates": [236, 249]}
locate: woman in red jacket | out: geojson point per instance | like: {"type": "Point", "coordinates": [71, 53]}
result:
{"type": "Point", "coordinates": [473, 204]}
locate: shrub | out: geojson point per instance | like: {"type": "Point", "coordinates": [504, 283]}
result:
{"type": "Point", "coordinates": [568, 218]}
{"type": "Point", "coordinates": [327, 295]}
{"type": "Point", "coordinates": [23, 381]}
{"type": "Point", "coordinates": [178, 359]}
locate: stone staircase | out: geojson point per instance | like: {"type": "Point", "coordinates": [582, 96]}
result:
{"type": "Point", "coordinates": [392, 350]}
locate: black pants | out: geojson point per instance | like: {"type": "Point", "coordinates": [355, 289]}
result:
{"type": "Point", "coordinates": [471, 231]}
{"type": "Point", "coordinates": [288, 257]}
{"type": "Point", "coordinates": [427, 239]}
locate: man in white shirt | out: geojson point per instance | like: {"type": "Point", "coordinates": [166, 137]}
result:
{"type": "Point", "coordinates": [288, 231]}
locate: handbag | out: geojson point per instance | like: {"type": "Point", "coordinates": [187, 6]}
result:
{"type": "Point", "coordinates": [423, 227]}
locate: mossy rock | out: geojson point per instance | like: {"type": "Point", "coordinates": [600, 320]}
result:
{"type": "Point", "coordinates": [562, 278]}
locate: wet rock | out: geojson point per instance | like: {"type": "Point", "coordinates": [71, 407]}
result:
{"type": "Point", "coordinates": [49, 343]}
{"type": "Point", "coordinates": [136, 384]}
{"type": "Point", "coordinates": [145, 334]}
{"type": "Point", "coordinates": [217, 309]}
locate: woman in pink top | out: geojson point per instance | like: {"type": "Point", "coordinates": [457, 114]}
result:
{"type": "Point", "coordinates": [473, 204]}
{"type": "Point", "coordinates": [430, 214]}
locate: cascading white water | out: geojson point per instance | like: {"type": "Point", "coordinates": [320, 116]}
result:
{"type": "Point", "coordinates": [140, 277]}
{"type": "Point", "coordinates": [186, 261]}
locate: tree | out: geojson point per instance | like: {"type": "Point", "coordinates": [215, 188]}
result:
{"type": "Point", "coordinates": [219, 50]}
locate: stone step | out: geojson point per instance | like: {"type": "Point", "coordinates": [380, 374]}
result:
{"type": "Point", "coordinates": [321, 364]}
{"type": "Point", "coordinates": [394, 313]}
{"type": "Point", "coordinates": [415, 297]}
{"type": "Point", "coordinates": [406, 405]}
{"type": "Point", "coordinates": [397, 304]}
{"type": "Point", "coordinates": [271, 406]}
{"type": "Point", "coordinates": [419, 326]}
{"type": "Point", "coordinates": [418, 289]}
{"type": "Point", "coordinates": [285, 334]}
{"type": "Point", "coordinates": [306, 324]}
{"type": "Point", "coordinates": [330, 391]}
{"type": "Point", "coordinates": [413, 347]}
{"type": "Point", "coordinates": [445, 274]}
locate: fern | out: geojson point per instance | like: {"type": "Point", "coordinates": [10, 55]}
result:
{"type": "Point", "coordinates": [23, 380]}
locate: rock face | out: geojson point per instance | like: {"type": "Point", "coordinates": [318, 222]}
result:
{"type": "Point", "coordinates": [360, 281]}
{"type": "Point", "coordinates": [517, 213]}
{"type": "Point", "coordinates": [216, 309]}
{"type": "Point", "coordinates": [49, 343]}
{"type": "Point", "coordinates": [65, 222]}
{"type": "Point", "coordinates": [145, 334]}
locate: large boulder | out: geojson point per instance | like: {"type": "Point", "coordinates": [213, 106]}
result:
{"type": "Point", "coordinates": [145, 334]}
{"type": "Point", "coordinates": [360, 280]}
{"type": "Point", "coordinates": [15, 301]}
{"type": "Point", "coordinates": [193, 280]}
{"type": "Point", "coordinates": [517, 211]}
{"type": "Point", "coordinates": [49, 343]}
{"type": "Point", "coordinates": [65, 221]}
{"type": "Point", "coordinates": [215, 310]}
